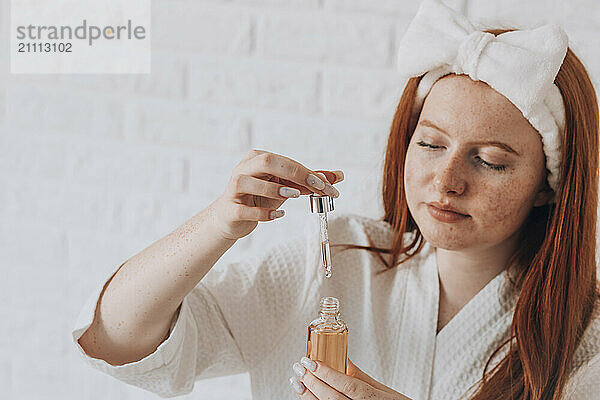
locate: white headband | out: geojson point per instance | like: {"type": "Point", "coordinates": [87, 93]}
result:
{"type": "Point", "coordinates": [521, 65]}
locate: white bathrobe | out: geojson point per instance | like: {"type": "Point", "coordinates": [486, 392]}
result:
{"type": "Point", "coordinates": [252, 316]}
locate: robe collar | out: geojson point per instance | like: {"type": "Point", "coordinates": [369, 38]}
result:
{"type": "Point", "coordinates": [446, 364]}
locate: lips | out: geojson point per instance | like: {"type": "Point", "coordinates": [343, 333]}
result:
{"type": "Point", "coordinates": [447, 207]}
{"type": "Point", "coordinates": [445, 216]}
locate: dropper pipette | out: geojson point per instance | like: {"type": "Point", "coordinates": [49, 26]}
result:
{"type": "Point", "coordinates": [326, 257]}
{"type": "Point", "coordinates": [321, 204]}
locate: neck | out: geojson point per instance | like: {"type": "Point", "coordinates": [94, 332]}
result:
{"type": "Point", "coordinates": [462, 274]}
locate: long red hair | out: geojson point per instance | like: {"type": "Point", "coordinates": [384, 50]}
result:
{"type": "Point", "coordinates": [559, 287]}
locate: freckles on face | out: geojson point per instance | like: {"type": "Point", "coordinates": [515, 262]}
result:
{"type": "Point", "coordinates": [498, 202]}
{"type": "Point", "coordinates": [503, 204]}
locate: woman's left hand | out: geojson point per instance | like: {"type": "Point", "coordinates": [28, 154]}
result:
{"type": "Point", "coordinates": [318, 381]}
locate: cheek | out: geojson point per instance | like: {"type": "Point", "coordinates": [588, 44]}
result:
{"type": "Point", "coordinates": [411, 170]}
{"type": "Point", "coordinates": [506, 202]}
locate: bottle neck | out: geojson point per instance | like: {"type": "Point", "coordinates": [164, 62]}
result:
{"type": "Point", "coordinates": [330, 317]}
{"type": "Point", "coordinates": [329, 308]}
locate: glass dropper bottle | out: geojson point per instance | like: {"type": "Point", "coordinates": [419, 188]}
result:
{"type": "Point", "coordinates": [321, 204]}
{"type": "Point", "coordinates": [327, 339]}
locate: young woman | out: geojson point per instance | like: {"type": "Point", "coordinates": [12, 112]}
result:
{"type": "Point", "coordinates": [498, 299]}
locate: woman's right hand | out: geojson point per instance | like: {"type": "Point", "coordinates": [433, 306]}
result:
{"type": "Point", "coordinates": [259, 185]}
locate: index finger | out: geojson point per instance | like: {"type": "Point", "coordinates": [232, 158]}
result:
{"type": "Point", "coordinates": [332, 176]}
{"type": "Point", "coordinates": [287, 169]}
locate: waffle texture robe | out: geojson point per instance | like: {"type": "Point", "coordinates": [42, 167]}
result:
{"type": "Point", "coordinates": [252, 316]}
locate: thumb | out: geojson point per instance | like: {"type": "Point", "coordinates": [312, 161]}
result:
{"type": "Point", "coordinates": [356, 372]}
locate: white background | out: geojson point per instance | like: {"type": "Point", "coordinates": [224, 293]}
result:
{"type": "Point", "coordinates": [94, 168]}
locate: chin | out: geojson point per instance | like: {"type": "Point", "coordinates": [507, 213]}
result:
{"type": "Point", "coordinates": [447, 237]}
{"type": "Point", "coordinates": [453, 244]}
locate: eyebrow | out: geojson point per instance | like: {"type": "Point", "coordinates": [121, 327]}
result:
{"type": "Point", "coordinates": [501, 145]}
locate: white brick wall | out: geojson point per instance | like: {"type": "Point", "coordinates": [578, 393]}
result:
{"type": "Point", "coordinates": [94, 168]}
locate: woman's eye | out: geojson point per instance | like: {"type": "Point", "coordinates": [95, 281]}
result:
{"type": "Point", "coordinates": [492, 166]}
{"type": "Point", "coordinates": [423, 144]}
{"type": "Point", "coordinates": [479, 160]}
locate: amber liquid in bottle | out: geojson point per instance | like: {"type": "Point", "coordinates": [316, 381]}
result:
{"type": "Point", "coordinates": [328, 336]}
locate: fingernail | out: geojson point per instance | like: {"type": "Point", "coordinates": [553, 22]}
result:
{"type": "Point", "coordinates": [322, 176]}
{"type": "Point", "coordinates": [297, 385]}
{"type": "Point", "coordinates": [277, 214]}
{"type": "Point", "coordinates": [299, 370]}
{"type": "Point", "coordinates": [339, 174]}
{"type": "Point", "coordinates": [289, 192]}
{"type": "Point", "coordinates": [308, 363]}
{"type": "Point", "coordinates": [315, 182]}
{"type": "Point", "coordinates": [331, 191]}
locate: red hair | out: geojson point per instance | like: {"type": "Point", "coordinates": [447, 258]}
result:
{"type": "Point", "coordinates": [559, 287]}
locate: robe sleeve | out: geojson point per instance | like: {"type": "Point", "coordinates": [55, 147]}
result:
{"type": "Point", "coordinates": [226, 323]}
{"type": "Point", "coordinates": [584, 384]}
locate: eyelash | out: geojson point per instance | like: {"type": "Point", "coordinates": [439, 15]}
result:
{"type": "Point", "coordinates": [479, 160]}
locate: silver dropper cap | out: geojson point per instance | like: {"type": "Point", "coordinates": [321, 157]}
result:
{"type": "Point", "coordinates": [320, 204]}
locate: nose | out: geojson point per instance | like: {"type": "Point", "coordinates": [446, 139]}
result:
{"type": "Point", "coordinates": [450, 178]}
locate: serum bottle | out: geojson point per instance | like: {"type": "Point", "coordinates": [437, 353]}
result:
{"type": "Point", "coordinates": [328, 336]}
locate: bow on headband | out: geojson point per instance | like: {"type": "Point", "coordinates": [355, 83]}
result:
{"type": "Point", "coordinates": [521, 65]}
